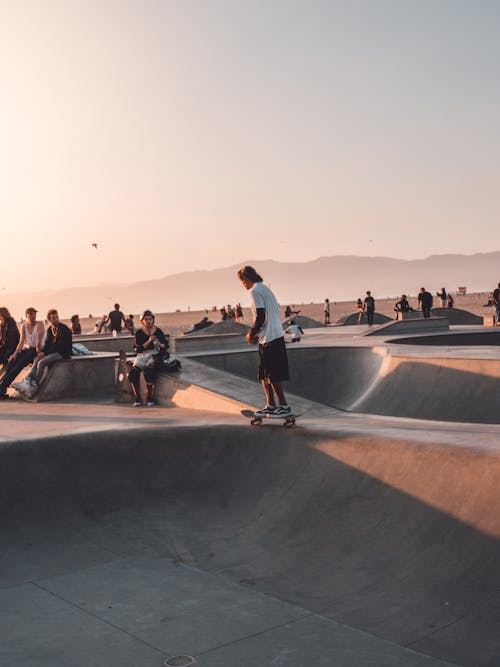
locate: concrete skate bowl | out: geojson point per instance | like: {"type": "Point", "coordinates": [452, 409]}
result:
{"type": "Point", "coordinates": [381, 382]}
{"type": "Point", "coordinates": [382, 552]}
{"type": "Point", "coordinates": [468, 338]}
{"type": "Point", "coordinates": [350, 320]}
{"type": "Point", "coordinates": [457, 316]}
{"type": "Point", "coordinates": [302, 321]}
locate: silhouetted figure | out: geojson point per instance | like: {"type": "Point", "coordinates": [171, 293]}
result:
{"type": "Point", "coordinates": [402, 306]}
{"type": "Point", "coordinates": [443, 296]}
{"type": "Point", "coordinates": [361, 309]}
{"type": "Point", "coordinates": [115, 319]}
{"type": "Point", "coordinates": [288, 311]}
{"type": "Point", "coordinates": [425, 301]}
{"type": "Point", "coordinates": [130, 324]}
{"type": "Point", "coordinates": [369, 307]}
{"type": "Point", "coordinates": [496, 302]}
{"type": "Point", "coordinates": [326, 311]}
{"type": "Point", "coordinates": [202, 324]}
{"type": "Point", "coordinates": [450, 302]}
{"type": "Point", "coordinates": [76, 327]}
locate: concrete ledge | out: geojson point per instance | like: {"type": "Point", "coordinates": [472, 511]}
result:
{"type": "Point", "coordinates": [186, 344]}
{"type": "Point", "coordinates": [410, 326]}
{"type": "Point", "coordinates": [106, 342]}
{"type": "Point", "coordinates": [79, 377]}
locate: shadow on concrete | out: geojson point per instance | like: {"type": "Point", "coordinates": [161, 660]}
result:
{"type": "Point", "coordinates": [334, 524]}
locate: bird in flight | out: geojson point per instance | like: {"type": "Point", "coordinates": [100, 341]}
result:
{"type": "Point", "coordinates": [94, 245]}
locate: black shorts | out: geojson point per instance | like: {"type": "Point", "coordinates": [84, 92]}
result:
{"type": "Point", "coordinates": [273, 361]}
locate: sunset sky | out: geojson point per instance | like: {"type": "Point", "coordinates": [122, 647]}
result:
{"type": "Point", "coordinates": [199, 133]}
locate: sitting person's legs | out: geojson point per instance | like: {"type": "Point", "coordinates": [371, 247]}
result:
{"type": "Point", "coordinates": [13, 369]}
{"type": "Point", "coordinates": [36, 373]}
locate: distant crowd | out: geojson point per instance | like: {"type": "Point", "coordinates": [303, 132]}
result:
{"type": "Point", "coordinates": [41, 344]}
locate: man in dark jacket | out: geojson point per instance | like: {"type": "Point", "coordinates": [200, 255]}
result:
{"type": "Point", "coordinates": [58, 344]}
{"type": "Point", "coordinates": [369, 304]}
{"type": "Point", "coordinates": [425, 301]}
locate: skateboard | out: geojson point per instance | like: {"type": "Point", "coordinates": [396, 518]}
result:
{"type": "Point", "coordinates": [289, 420]}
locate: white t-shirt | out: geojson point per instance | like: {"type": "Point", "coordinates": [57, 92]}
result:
{"type": "Point", "coordinates": [294, 331]}
{"type": "Point", "coordinates": [262, 297]}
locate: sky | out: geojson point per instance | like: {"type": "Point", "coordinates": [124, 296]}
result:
{"type": "Point", "coordinates": [196, 134]}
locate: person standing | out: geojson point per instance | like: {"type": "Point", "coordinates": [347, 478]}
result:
{"type": "Point", "coordinates": [115, 319]}
{"type": "Point", "coordinates": [369, 307]}
{"type": "Point", "coordinates": [361, 309]}
{"type": "Point", "coordinates": [496, 302]}
{"type": "Point", "coordinates": [443, 296]}
{"type": "Point", "coordinates": [326, 311]}
{"type": "Point", "coordinates": [30, 344]}
{"type": "Point", "coordinates": [57, 346]}
{"type": "Point", "coordinates": [425, 301]}
{"type": "Point", "coordinates": [267, 331]}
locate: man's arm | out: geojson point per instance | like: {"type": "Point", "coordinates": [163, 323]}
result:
{"type": "Point", "coordinates": [253, 335]}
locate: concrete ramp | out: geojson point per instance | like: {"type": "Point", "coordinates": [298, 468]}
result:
{"type": "Point", "coordinates": [248, 546]}
{"type": "Point", "coordinates": [378, 380]}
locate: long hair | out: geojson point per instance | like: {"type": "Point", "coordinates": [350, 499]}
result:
{"type": "Point", "coordinates": [4, 312]}
{"type": "Point", "coordinates": [249, 273]}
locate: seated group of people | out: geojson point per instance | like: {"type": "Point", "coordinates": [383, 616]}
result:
{"type": "Point", "coordinates": [231, 312]}
{"type": "Point", "coordinates": [33, 344]}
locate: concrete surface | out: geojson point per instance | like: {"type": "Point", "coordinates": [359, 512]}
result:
{"type": "Point", "coordinates": [106, 342]}
{"type": "Point", "coordinates": [410, 326]}
{"type": "Point", "coordinates": [355, 540]}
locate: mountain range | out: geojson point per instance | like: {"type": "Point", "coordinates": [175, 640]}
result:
{"type": "Point", "coordinates": [340, 278]}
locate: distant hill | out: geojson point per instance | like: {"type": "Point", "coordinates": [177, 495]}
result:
{"type": "Point", "coordinates": [338, 278]}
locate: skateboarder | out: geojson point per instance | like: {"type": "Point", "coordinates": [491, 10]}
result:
{"type": "Point", "coordinates": [267, 331]}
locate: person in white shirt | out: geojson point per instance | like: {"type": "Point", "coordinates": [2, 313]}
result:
{"type": "Point", "coordinates": [30, 344]}
{"type": "Point", "coordinates": [267, 331]}
{"type": "Point", "coordinates": [294, 331]}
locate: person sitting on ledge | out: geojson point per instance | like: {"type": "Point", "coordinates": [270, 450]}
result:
{"type": "Point", "coordinates": [150, 344]}
{"type": "Point", "coordinates": [58, 343]}
{"type": "Point", "coordinates": [9, 336]}
{"type": "Point", "coordinates": [76, 327]}
{"type": "Point", "coordinates": [30, 344]}
{"type": "Point", "coordinates": [402, 306]}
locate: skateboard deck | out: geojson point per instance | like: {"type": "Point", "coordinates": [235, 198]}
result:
{"type": "Point", "coordinates": [289, 420]}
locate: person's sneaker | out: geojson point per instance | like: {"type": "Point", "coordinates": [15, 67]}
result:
{"type": "Point", "coordinates": [266, 411]}
{"type": "Point", "coordinates": [282, 411]}
{"type": "Point", "coordinates": [31, 389]}
{"type": "Point", "coordinates": [151, 404]}
{"type": "Point", "coordinates": [137, 404]}
{"type": "Point", "coordinates": [23, 386]}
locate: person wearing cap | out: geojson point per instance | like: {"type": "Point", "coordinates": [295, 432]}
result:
{"type": "Point", "coordinates": [30, 344]}
{"type": "Point", "coordinates": [57, 346]}
{"type": "Point", "coordinates": [150, 343]}
{"type": "Point", "coordinates": [9, 336]}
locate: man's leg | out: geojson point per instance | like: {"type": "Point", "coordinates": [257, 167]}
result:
{"type": "Point", "coordinates": [278, 388]}
{"type": "Point", "coordinates": [13, 369]}
{"type": "Point", "coordinates": [268, 390]}
{"type": "Point", "coordinates": [43, 364]}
